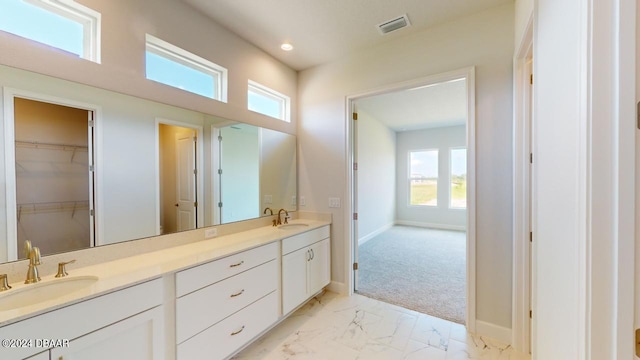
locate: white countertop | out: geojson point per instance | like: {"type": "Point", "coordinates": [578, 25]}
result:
{"type": "Point", "coordinates": [128, 271]}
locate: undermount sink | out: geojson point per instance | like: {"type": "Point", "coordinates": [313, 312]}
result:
{"type": "Point", "coordinates": [293, 226]}
{"type": "Point", "coordinates": [43, 291]}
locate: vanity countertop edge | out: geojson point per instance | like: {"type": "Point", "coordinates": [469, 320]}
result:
{"type": "Point", "coordinates": [128, 271]}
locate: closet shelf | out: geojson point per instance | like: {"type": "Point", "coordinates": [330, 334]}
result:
{"type": "Point", "coordinates": [49, 207]}
{"type": "Point", "coordinates": [50, 146]}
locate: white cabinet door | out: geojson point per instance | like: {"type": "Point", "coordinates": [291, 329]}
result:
{"type": "Point", "coordinates": [294, 279]}
{"type": "Point", "coordinates": [140, 337]}
{"type": "Point", "coordinates": [41, 356]}
{"type": "Point", "coordinates": [318, 272]}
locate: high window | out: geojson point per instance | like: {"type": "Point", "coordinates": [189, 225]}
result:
{"type": "Point", "coordinates": [268, 102]}
{"type": "Point", "coordinates": [458, 193]}
{"type": "Point", "coordinates": [423, 178]}
{"type": "Point", "coordinates": [62, 24]}
{"type": "Point", "coordinates": [173, 66]}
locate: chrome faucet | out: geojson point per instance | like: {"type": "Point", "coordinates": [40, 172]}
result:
{"type": "Point", "coordinates": [33, 253]}
{"type": "Point", "coordinates": [286, 217]}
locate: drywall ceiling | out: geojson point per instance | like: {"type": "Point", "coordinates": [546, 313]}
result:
{"type": "Point", "coordinates": [325, 30]}
{"type": "Point", "coordinates": [438, 105]}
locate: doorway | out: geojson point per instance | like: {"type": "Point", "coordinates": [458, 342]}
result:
{"type": "Point", "coordinates": [50, 177]}
{"type": "Point", "coordinates": [424, 198]}
{"type": "Point", "coordinates": [178, 177]}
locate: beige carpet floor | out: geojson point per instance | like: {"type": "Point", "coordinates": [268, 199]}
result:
{"type": "Point", "coordinates": [416, 268]}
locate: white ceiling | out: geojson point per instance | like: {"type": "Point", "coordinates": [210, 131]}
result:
{"type": "Point", "coordinates": [325, 30]}
{"type": "Point", "coordinates": [438, 105]}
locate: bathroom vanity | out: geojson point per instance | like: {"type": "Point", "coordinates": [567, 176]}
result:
{"type": "Point", "coordinates": [207, 299]}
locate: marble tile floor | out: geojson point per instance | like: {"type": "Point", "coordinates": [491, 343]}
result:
{"type": "Point", "coordinates": [333, 326]}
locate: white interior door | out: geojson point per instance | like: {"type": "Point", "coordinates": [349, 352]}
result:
{"type": "Point", "coordinates": [186, 182]}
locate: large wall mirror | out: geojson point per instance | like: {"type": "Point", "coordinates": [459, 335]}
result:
{"type": "Point", "coordinates": [86, 167]}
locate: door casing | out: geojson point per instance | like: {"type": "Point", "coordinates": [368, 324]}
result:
{"type": "Point", "coordinates": [350, 204]}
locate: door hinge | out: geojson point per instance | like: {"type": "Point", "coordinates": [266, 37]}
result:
{"type": "Point", "coordinates": [195, 171]}
{"type": "Point", "coordinates": [531, 79]}
{"type": "Point", "coordinates": [355, 116]}
{"type": "Point", "coordinates": [355, 166]}
{"type": "Point", "coordinates": [92, 168]}
{"type": "Point", "coordinates": [530, 236]}
{"type": "Point", "coordinates": [355, 266]}
{"type": "Point", "coordinates": [92, 123]}
{"type": "Point", "coordinates": [219, 137]}
{"type": "Point", "coordinates": [195, 204]}
{"type": "Point", "coordinates": [530, 314]}
{"type": "Point", "coordinates": [91, 212]}
{"type": "Point", "coordinates": [531, 158]}
{"type": "Point", "coordinates": [219, 171]}
{"type": "Point", "coordinates": [355, 216]}
{"type": "Point", "coordinates": [220, 204]}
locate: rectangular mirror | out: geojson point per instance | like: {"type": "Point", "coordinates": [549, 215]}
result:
{"type": "Point", "coordinates": [87, 167]}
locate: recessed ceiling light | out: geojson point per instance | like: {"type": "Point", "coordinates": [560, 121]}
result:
{"type": "Point", "coordinates": [286, 47]}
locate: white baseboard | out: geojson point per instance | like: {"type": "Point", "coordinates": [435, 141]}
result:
{"type": "Point", "coordinates": [494, 331]}
{"type": "Point", "coordinates": [431, 225]}
{"type": "Point", "coordinates": [338, 287]}
{"type": "Point", "coordinates": [375, 233]}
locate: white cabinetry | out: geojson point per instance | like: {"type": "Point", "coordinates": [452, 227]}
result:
{"type": "Point", "coordinates": [100, 328]}
{"type": "Point", "coordinates": [305, 267]}
{"type": "Point", "coordinates": [224, 304]}
{"type": "Point", "coordinates": [41, 356]}
{"type": "Point", "coordinates": [135, 338]}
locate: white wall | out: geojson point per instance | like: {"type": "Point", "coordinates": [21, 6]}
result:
{"type": "Point", "coordinates": [441, 216]}
{"type": "Point", "coordinates": [376, 176]}
{"type": "Point", "coordinates": [524, 10]}
{"type": "Point", "coordinates": [484, 40]}
{"type": "Point", "coordinates": [122, 69]}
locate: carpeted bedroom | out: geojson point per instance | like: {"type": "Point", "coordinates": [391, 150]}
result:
{"type": "Point", "coordinates": [417, 268]}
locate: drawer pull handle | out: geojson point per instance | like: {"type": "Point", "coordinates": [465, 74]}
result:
{"type": "Point", "coordinates": [238, 293]}
{"type": "Point", "coordinates": [313, 255]}
{"type": "Point", "coordinates": [238, 264]}
{"type": "Point", "coordinates": [237, 332]}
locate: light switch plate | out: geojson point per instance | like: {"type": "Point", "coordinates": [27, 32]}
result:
{"type": "Point", "coordinates": [334, 202]}
{"type": "Point", "coordinates": [268, 199]}
{"type": "Point", "coordinates": [303, 201]}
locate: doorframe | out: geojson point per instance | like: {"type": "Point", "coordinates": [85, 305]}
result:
{"type": "Point", "coordinates": [522, 202]}
{"type": "Point", "coordinates": [199, 164]}
{"type": "Point", "coordinates": [9, 94]}
{"type": "Point", "coordinates": [469, 74]}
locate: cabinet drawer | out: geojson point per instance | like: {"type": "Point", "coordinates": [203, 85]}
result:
{"type": "Point", "coordinates": [200, 276]}
{"type": "Point", "coordinates": [229, 335]}
{"type": "Point", "coordinates": [305, 239]}
{"type": "Point", "coordinates": [205, 307]}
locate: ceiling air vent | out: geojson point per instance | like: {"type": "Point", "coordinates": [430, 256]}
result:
{"type": "Point", "coordinates": [393, 25]}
